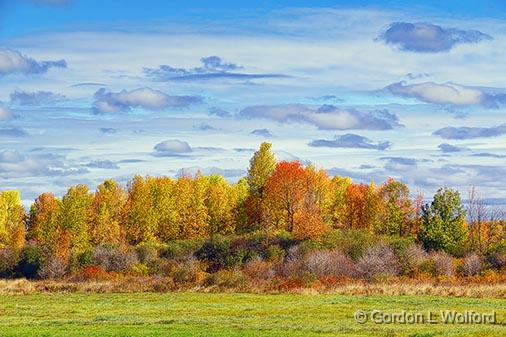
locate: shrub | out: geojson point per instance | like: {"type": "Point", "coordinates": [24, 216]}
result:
{"type": "Point", "coordinates": [354, 243]}
{"type": "Point", "coordinates": [139, 269]}
{"type": "Point", "coordinates": [379, 260]}
{"type": "Point", "coordinates": [227, 279]}
{"type": "Point", "coordinates": [188, 272]}
{"type": "Point", "coordinates": [293, 263]}
{"type": "Point", "coordinates": [146, 253]}
{"type": "Point", "coordinates": [52, 268]}
{"type": "Point", "coordinates": [180, 249]}
{"type": "Point", "coordinates": [275, 253]}
{"type": "Point", "coordinates": [413, 257]}
{"type": "Point", "coordinates": [496, 256]}
{"type": "Point", "coordinates": [8, 260]}
{"type": "Point", "coordinates": [259, 269]}
{"type": "Point", "coordinates": [91, 273]}
{"type": "Point", "coordinates": [81, 259]}
{"type": "Point", "coordinates": [331, 263]}
{"type": "Point", "coordinates": [472, 265]}
{"type": "Point", "coordinates": [31, 260]}
{"type": "Point", "coordinates": [443, 264]}
{"type": "Point", "coordinates": [222, 252]}
{"type": "Point", "coordinates": [113, 259]}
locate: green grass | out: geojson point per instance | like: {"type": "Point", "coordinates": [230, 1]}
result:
{"type": "Point", "coordinates": [199, 314]}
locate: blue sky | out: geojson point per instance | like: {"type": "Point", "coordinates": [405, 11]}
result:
{"type": "Point", "coordinates": [370, 89]}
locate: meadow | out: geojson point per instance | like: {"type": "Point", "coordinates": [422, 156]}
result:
{"type": "Point", "coordinates": [227, 314]}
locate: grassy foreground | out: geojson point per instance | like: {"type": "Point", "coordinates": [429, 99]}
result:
{"type": "Point", "coordinates": [207, 314]}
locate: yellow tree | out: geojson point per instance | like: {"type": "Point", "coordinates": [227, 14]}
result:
{"type": "Point", "coordinates": [193, 218]}
{"type": "Point", "coordinates": [337, 207]}
{"type": "Point", "coordinates": [220, 202]}
{"type": "Point", "coordinates": [140, 220]}
{"type": "Point", "coordinates": [76, 216]}
{"type": "Point", "coordinates": [12, 220]}
{"type": "Point", "coordinates": [108, 203]}
{"type": "Point", "coordinates": [44, 222]}
{"type": "Point", "coordinates": [164, 197]}
{"type": "Point", "coordinates": [262, 164]}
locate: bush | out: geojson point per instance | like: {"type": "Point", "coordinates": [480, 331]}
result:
{"type": "Point", "coordinates": [113, 259]}
{"type": "Point", "coordinates": [353, 243]}
{"type": "Point", "coordinates": [472, 265]}
{"type": "Point", "coordinates": [496, 256]}
{"type": "Point", "coordinates": [331, 263]}
{"type": "Point", "coordinates": [227, 279]}
{"type": "Point", "coordinates": [223, 252]}
{"type": "Point", "coordinates": [180, 249]}
{"type": "Point", "coordinates": [52, 268]}
{"type": "Point", "coordinates": [188, 272]}
{"type": "Point", "coordinates": [8, 260]}
{"type": "Point", "coordinates": [443, 264]}
{"type": "Point", "coordinates": [81, 259]}
{"type": "Point", "coordinates": [91, 273]}
{"type": "Point", "coordinates": [146, 253]}
{"type": "Point", "coordinates": [379, 260]}
{"type": "Point", "coordinates": [275, 253]}
{"type": "Point", "coordinates": [413, 257]}
{"type": "Point", "coordinates": [259, 269]}
{"type": "Point", "coordinates": [31, 260]}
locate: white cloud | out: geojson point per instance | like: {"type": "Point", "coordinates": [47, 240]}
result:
{"type": "Point", "coordinates": [147, 98]}
{"type": "Point", "coordinates": [12, 61]}
{"type": "Point", "coordinates": [173, 147]}
{"type": "Point", "coordinates": [447, 93]}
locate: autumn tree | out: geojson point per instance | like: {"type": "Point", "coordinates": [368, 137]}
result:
{"type": "Point", "coordinates": [164, 198]}
{"type": "Point", "coordinates": [395, 208]}
{"type": "Point", "coordinates": [337, 204]}
{"type": "Point", "coordinates": [44, 224]}
{"type": "Point", "coordinates": [76, 216]}
{"type": "Point", "coordinates": [312, 221]}
{"type": "Point", "coordinates": [262, 164]}
{"type": "Point", "coordinates": [443, 222]}
{"type": "Point", "coordinates": [140, 220]}
{"type": "Point", "coordinates": [107, 213]}
{"type": "Point", "coordinates": [193, 217]}
{"type": "Point", "coordinates": [296, 198]}
{"type": "Point", "coordinates": [361, 208]}
{"type": "Point", "coordinates": [220, 202]}
{"type": "Point", "coordinates": [12, 220]}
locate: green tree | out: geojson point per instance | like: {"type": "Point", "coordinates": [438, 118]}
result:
{"type": "Point", "coordinates": [395, 209]}
{"type": "Point", "coordinates": [443, 224]}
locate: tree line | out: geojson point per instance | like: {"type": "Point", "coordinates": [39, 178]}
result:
{"type": "Point", "coordinates": [274, 197]}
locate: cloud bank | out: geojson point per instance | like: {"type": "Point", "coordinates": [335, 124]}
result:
{"type": "Point", "coordinates": [12, 61]}
{"type": "Point", "coordinates": [428, 38]}
{"type": "Point", "coordinates": [470, 132]}
{"type": "Point", "coordinates": [212, 68]}
{"type": "Point", "coordinates": [147, 98]}
{"type": "Point", "coordinates": [325, 117]}
{"type": "Point", "coordinates": [350, 140]}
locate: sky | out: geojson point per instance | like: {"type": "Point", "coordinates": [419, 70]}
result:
{"type": "Point", "coordinates": [93, 89]}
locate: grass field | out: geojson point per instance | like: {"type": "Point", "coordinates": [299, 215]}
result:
{"type": "Point", "coordinates": [205, 314]}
